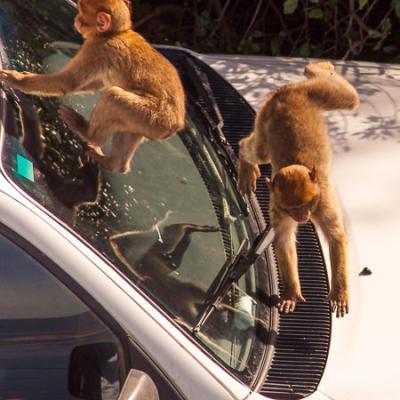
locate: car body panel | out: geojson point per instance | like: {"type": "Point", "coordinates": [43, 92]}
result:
{"type": "Point", "coordinates": [364, 351]}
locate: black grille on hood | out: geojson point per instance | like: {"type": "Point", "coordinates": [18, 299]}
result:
{"type": "Point", "coordinates": [302, 343]}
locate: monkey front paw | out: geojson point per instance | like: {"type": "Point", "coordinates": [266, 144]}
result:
{"type": "Point", "coordinates": [323, 68]}
{"type": "Point", "coordinates": [287, 302]}
{"type": "Point", "coordinates": [339, 302]}
{"type": "Point", "coordinates": [13, 78]}
{"type": "Point", "coordinates": [248, 175]}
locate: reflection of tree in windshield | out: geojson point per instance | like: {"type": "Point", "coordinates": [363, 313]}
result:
{"type": "Point", "coordinates": [152, 255]}
{"type": "Point", "coordinates": [164, 256]}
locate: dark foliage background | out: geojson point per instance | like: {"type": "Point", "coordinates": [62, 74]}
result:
{"type": "Point", "coordinates": [348, 29]}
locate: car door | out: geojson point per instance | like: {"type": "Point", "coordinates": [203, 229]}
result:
{"type": "Point", "coordinates": [56, 342]}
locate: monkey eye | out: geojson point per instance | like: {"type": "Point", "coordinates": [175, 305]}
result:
{"type": "Point", "coordinates": [309, 204]}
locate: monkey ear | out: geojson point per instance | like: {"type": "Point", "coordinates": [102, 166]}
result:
{"type": "Point", "coordinates": [103, 22]}
{"type": "Point", "coordinates": [313, 174]}
{"type": "Point", "coordinates": [129, 5]}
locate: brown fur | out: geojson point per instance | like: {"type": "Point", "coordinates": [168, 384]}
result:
{"type": "Point", "coordinates": [290, 132]}
{"type": "Point", "coordinates": [143, 95]}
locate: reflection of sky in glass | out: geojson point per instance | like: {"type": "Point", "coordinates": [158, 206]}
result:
{"type": "Point", "coordinates": [27, 290]}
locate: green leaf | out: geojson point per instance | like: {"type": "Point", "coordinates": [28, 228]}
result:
{"type": "Point", "coordinates": [396, 6]}
{"type": "Point", "coordinates": [374, 34]}
{"type": "Point", "coordinates": [362, 3]}
{"type": "Point", "coordinates": [387, 25]}
{"type": "Point", "coordinates": [283, 33]}
{"type": "Point", "coordinates": [275, 46]}
{"type": "Point", "coordinates": [248, 46]}
{"type": "Point", "coordinates": [204, 24]}
{"type": "Point", "coordinates": [290, 6]}
{"type": "Point", "coordinates": [304, 50]}
{"type": "Point", "coordinates": [377, 46]}
{"type": "Point", "coordinates": [316, 13]}
{"type": "Point", "coordinates": [391, 49]}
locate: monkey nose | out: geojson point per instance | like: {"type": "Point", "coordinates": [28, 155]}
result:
{"type": "Point", "coordinates": [300, 217]}
{"type": "Point", "coordinates": [303, 221]}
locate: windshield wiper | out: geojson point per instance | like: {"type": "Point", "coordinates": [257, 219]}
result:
{"type": "Point", "coordinates": [71, 3]}
{"type": "Point", "coordinates": [230, 273]}
{"type": "Point", "coordinates": [211, 113]}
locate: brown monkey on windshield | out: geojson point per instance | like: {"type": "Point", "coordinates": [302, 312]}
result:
{"type": "Point", "coordinates": [290, 132]}
{"type": "Point", "coordinates": [143, 95]}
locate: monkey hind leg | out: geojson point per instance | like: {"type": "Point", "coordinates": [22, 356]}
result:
{"type": "Point", "coordinates": [124, 147]}
{"type": "Point", "coordinates": [130, 112]}
{"type": "Point", "coordinates": [75, 121]}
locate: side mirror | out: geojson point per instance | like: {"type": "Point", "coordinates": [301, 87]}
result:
{"type": "Point", "coordinates": [138, 386]}
{"type": "Point", "coordinates": [93, 371]}
{"type": "Point", "coordinates": [94, 375]}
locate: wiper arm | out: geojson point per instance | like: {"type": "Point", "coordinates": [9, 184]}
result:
{"type": "Point", "coordinates": [233, 269]}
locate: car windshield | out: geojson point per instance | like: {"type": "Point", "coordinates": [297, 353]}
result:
{"type": "Point", "coordinates": [168, 225]}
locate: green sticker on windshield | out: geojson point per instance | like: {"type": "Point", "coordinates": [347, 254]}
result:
{"type": "Point", "coordinates": [25, 167]}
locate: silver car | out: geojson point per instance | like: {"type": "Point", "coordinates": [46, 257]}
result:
{"type": "Point", "coordinates": [157, 283]}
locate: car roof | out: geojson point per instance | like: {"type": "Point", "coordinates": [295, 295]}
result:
{"type": "Point", "coordinates": [364, 351]}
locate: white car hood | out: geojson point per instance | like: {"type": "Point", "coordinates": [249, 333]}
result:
{"type": "Point", "coordinates": [365, 346]}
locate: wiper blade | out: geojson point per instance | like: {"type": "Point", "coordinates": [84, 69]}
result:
{"type": "Point", "coordinates": [208, 107]}
{"type": "Point", "coordinates": [233, 269]}
{"type": "Point", "coordinates": [202, 86]}
{"type": "Point", "coordinates": [213, 117]}
{"type": "Point", "coordinates": [71, 3]}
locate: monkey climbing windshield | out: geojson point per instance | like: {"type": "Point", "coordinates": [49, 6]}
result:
{"type": "Point", "coordinates": [169, 225]}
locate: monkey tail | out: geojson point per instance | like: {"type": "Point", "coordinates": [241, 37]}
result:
{"type": "Point", "coordinates": [333, 93]}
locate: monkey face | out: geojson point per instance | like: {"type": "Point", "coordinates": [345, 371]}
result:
{"type": "Point", "coordinates": [296, 192]}
{"type": "Point", "coordinates": [85, 21]}
{"type": "Point", "coordinates": [303, 212]}
{"type": "Point", "coordinates": [96, 17]}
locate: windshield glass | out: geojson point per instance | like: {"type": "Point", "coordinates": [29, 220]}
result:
{"type": "Point", "coordinates": [168, 225]}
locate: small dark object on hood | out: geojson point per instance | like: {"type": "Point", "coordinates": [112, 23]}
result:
{"type": "Point", "coordinates": [365, 272]}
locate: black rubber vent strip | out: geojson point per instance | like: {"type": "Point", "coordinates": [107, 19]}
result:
{"type": "Point", "coordinates": [302, 345]}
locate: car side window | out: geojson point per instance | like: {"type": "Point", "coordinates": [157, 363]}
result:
{"type": "Point", "coordinates": [52, 346]}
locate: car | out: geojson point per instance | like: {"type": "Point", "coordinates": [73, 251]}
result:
{"type": "Point", "coordinates": [162, 279]}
